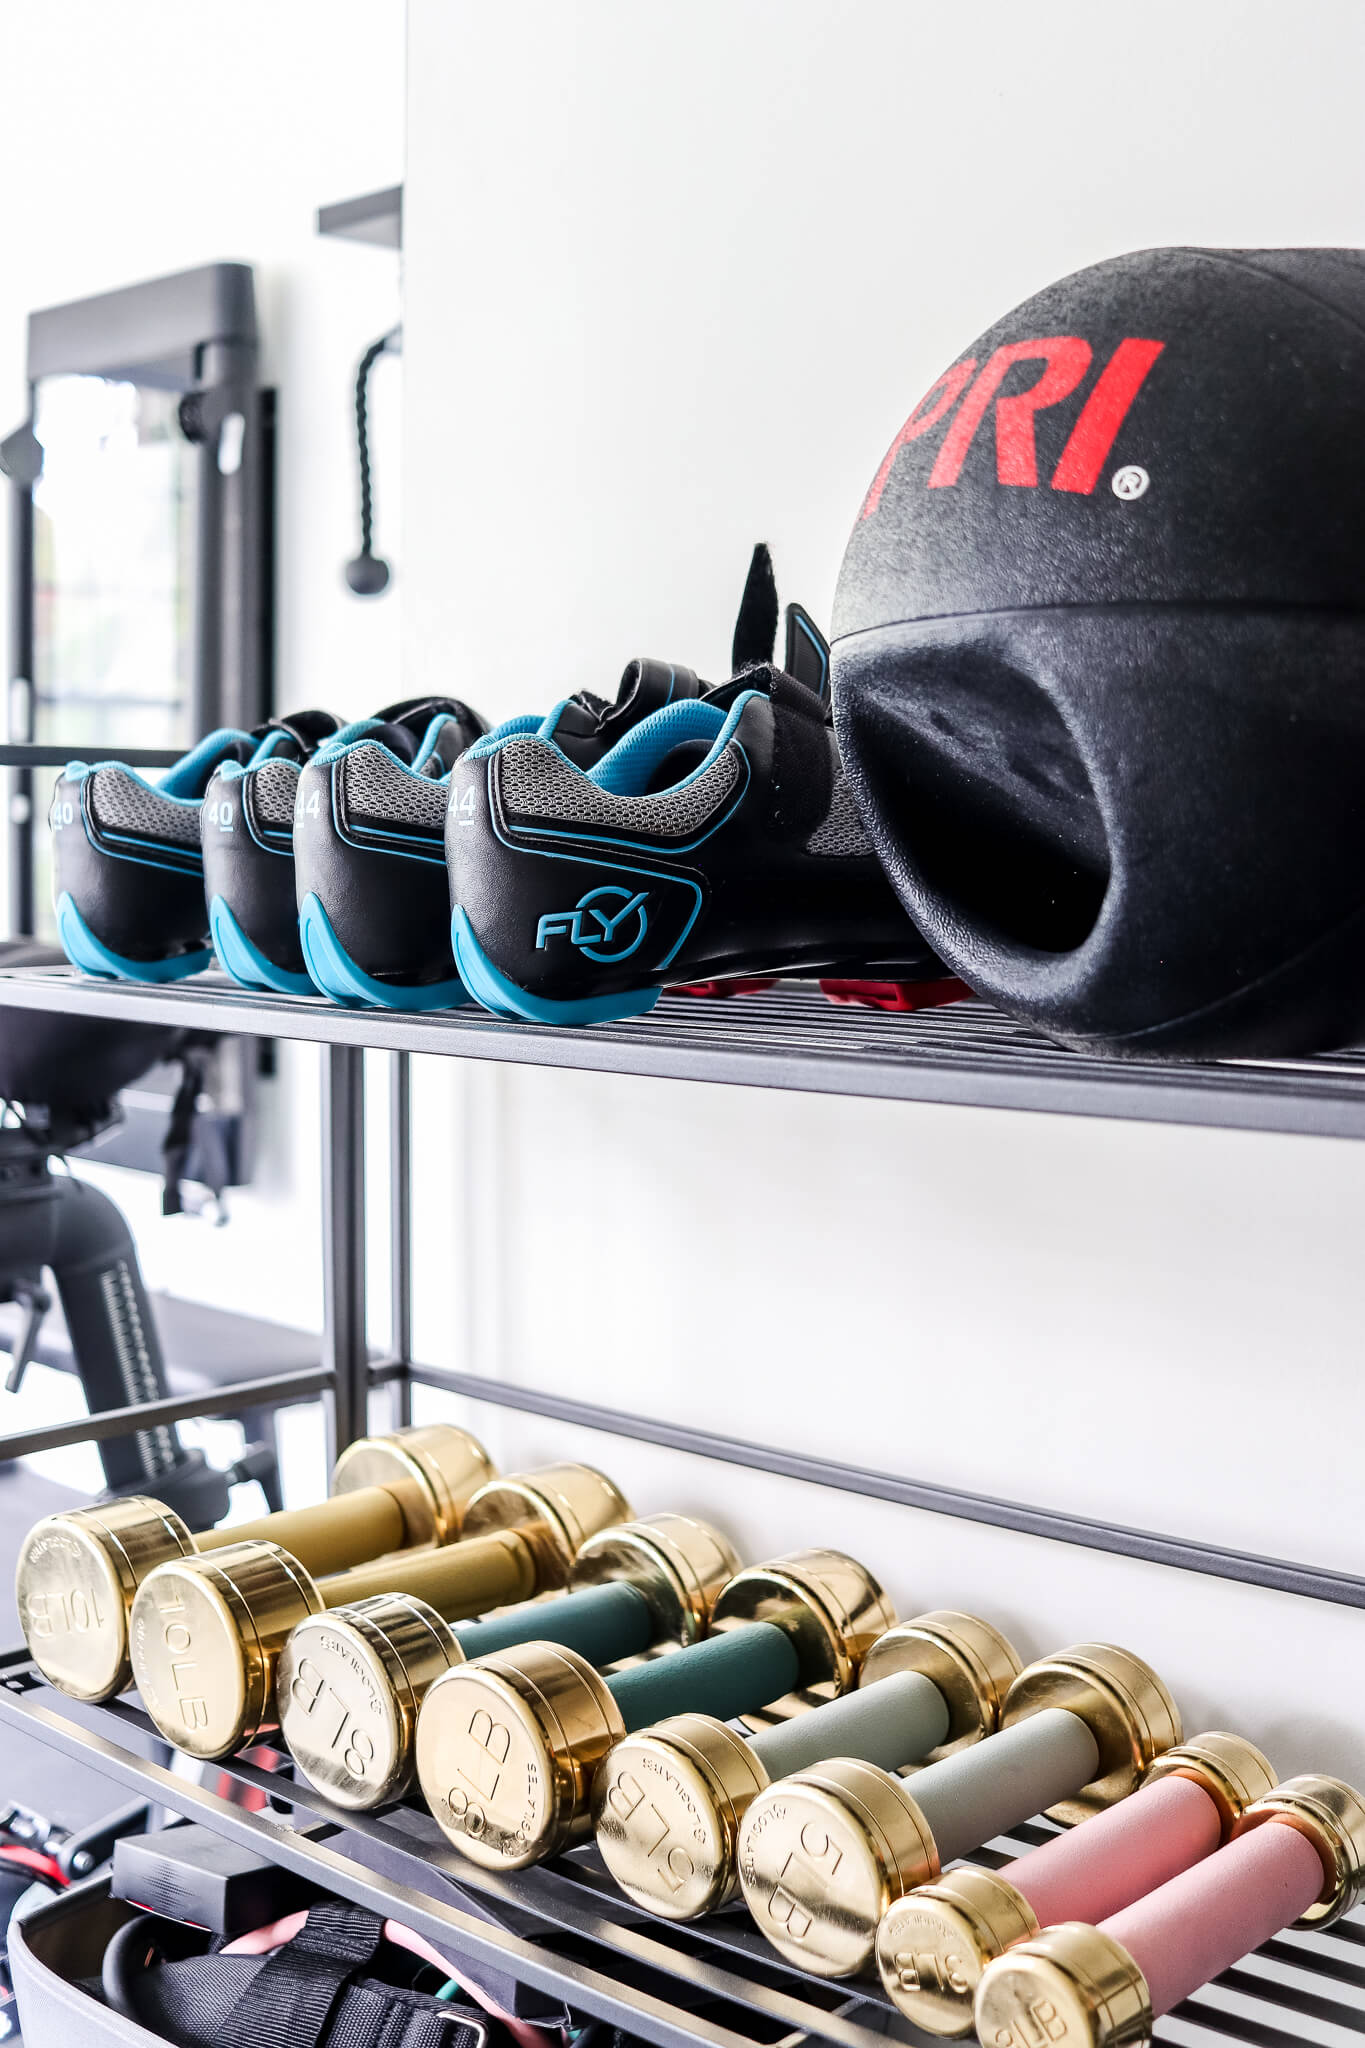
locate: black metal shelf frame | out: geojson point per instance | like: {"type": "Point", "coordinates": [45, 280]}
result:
{"type": "Point", "coordinates": [965, 1053]}
{"type": "Point", "coordinates": [570, 1934]}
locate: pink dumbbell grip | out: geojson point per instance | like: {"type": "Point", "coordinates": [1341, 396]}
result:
{"type": "Point", "coordinates": [1202, 1922]}
{"type": "Point", "coordinates": [1119, 1855]}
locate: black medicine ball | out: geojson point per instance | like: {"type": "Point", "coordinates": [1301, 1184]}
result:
{"type": "Point", "coordinates": [1099, 656]}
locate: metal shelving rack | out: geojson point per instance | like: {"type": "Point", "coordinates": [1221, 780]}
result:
{"type": "Point", "coordinates": [563, 1929]}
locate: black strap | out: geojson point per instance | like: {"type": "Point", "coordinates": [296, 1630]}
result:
{"type": "Point", "coordinates": [370, 2017]}
{"type": "Point", "coordinates": [195, 2000]}
{"type": "Point", "coordinates": [293, 1994]}
{"type": "Point", "coordinates": [195, 1053]}
{"type": "Point", "coordinates": [802, 785]}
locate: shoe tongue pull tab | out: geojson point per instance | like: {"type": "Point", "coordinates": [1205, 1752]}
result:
{"type": "Point", "coordinates": [755, 640]}
{"type": "Point", "coordinates": [587, 726]}
{"type": "Point", "coordinates": [647, 686]}
{"type": "Point", "coordinates": [308, 728]}
{"type": "Point", "coordinates": [296, 735]}
{"type": "Point", "coordinates": [405, 728]}
{"type": "Point", "coordinates": [418, 712]}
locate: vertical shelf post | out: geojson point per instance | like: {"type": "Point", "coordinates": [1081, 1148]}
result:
{"type": "Point", "coordinates": [345, 1345]}
{"type": "Point", "coordinates": [20, 685]}
{"type": "Point", "coordinates": [400, 1225]}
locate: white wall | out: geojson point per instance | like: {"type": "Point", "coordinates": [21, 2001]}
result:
{"type": "Point", "coordinates": [674, 278]}
{"type": "Point", "coordinates": [146, 139]}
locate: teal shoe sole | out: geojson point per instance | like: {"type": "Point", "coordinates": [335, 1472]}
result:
{"type": "Point", "coordinates": [490, 987]}
{"type": "Point", "coordinates": [93, 957]}
{"type": "Point", "coordinates": [241, 958]}
{"type": "Point", "coordinates": [337, 976]}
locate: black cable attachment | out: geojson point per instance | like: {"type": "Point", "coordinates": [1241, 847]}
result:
{"type": "Point", "coordinates": [368, 574]}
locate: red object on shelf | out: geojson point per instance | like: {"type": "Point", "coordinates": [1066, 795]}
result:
{"type": "Point", "coordinates": [252, 1797]}
{"type": "Point", "coordinates": [897, 995]}
{"type": "Point", "coordinates": [739, 987]}
{"type": "Point", "coordinates": [35, 1860]}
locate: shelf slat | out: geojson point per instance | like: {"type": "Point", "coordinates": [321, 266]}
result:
{"type": "Point", "coordinates": [964, 1054]}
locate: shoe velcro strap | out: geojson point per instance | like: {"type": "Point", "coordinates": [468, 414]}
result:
{"type": "Point", "coordinates": [802, 785]}
{"type": "Point", "coordinates": [293, 1994]}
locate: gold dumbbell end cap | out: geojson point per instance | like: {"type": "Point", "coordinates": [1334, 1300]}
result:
{"type": "Point", "coordinates": [204, 1636]}
{"type": "Point", "coordinates": [969, 1661]}
{"type": "Point", "coordinates": [507, 1747]}
{"type": "Point", "coordinates": [823, 1852]}
{"type": "Point", "coordinates": [1092, 1991]}
{"type": "Point", "coordinates": [74, 1582]}
{"type": "Point", "coordinates": [556, 1508]}
{"type": "Point", "coordinates": [349, 1686]}
{"type": "Point", "coordinates": [433, 1472]}
{"type": "Point", "coordinates": [681, 1566]}
{"type": "Point", "coordinates": [667, 1807]}
{"type": "Point", "coordinates": [1122, 1701]}
{"type": "Point", "coordinates": [1332, 1815]}
{"type": "Point", "coordinates": [1229, 1768]}
{"type": "Point", "coordinates": [934, 1945]}
{"type": "Point", "coordinates": [829, 1604]}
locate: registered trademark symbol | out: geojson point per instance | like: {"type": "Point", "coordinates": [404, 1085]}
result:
{"type": "Point", "coordinates": [1130, 481]}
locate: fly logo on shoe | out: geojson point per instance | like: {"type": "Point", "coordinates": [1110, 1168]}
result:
{"type": "Point", "coordinates": [1060, 364]}
{"type": "Point", "coordinates": [607, 924]}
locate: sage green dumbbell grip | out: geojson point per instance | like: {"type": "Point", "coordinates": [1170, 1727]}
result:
{"type": "Point", "coordinates": [980, 1793]}
{"type": "Point", "coordinates": [899, 1718]}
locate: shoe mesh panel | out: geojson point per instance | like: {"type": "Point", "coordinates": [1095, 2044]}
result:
{"type": "Point", "coordinates": [841, 835]}
{"type": "Point", "coordinates": [537, 784]}
{"type": "Point", "coordinates": [274, 785]}
{"type": "Point", "coordinates": [378, 791]}
{"type": "Point", "coordinates": [122, 804]}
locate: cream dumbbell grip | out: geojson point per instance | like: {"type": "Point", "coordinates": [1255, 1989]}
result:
{"type": "Point", "coordinates": [78, 1572]}
{"type": "Point", "coordinates": [823, 1855]}
{"type": "Point", "coordinates": [668, 1803]}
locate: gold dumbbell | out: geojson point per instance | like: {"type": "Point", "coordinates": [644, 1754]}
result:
{"type": "Point", "coordinates": [351, 1680]}
{"type": "Point", "coordinates": [78, 1572]}
{"type": "Point", "coordinates": [826, 1855]}
{"type": "Point", "coordinates": [206, 1632]}
{"type": "Point", "coordinates": [507, 1748]}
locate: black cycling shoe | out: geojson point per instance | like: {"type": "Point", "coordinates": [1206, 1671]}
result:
{"type": "Point", "coordinates": [374, 928]}
{"type": "Point", "coordinates": [128, 872]}
{"type": "Point", "coordinates": [369, 823]}
{"type": "Point", "coordinates": [246, 825]}
{"type": "Point", "coordinates": [369, 857]}
{"type": "Point", "coordinates": [718, 839]}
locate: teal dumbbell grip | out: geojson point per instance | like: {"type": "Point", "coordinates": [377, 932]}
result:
{"type": "Point", "coordinates": [603, 1623]}
{"type": "Point", "coordinates": [896, 1721]}
{"type": "Point", "coordinates": [734, 1673]}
